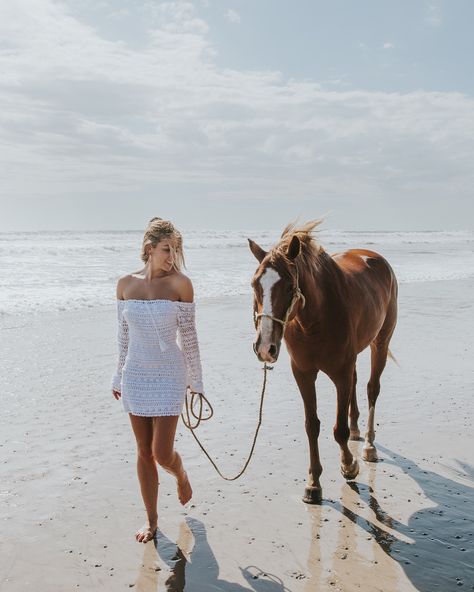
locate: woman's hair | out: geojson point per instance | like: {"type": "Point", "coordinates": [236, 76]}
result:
{"type": "Point", "coordinates": [159, 230]}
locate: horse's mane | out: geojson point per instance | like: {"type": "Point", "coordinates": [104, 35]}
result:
{"type": "Point", "coordinates": [313, 262]}
{"type": "Point", "coordinates": [310, 248]}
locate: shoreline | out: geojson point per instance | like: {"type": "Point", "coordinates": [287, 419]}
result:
{"type": "Point", "coordinates": [204, 300]}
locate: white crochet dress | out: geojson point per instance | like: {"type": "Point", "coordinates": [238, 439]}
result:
{"type": "Point", "coordinates": [153, 371]}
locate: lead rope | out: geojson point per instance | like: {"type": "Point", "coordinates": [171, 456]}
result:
{"type": "Point", "coordinates": [189, 408]}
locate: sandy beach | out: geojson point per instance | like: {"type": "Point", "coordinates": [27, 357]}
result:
{"type": "Point", "coordinates": [69, 497]}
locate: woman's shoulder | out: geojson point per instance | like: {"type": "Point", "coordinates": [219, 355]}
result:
{"type": "Point", "coordinates": [124, 282]}
{"type": "Point", "coordinates": [183, 286]}
{"type": "Point", "coordinates": [180, 278]}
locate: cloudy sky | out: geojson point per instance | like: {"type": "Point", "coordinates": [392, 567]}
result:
{"type": "Point", "coordinates": [236, 114]}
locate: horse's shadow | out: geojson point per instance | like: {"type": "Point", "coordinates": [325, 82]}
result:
{"type": "Point", "coordinates": [202, 573]}
{"type": "Point", "coordinates": [440, 555]}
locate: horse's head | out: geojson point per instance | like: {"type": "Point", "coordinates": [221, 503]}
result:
{"type": "Point", "coordinates": [276, 292]}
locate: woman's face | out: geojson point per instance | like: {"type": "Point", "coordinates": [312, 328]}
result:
{"type": "Point", "coordinates": [161, 255]}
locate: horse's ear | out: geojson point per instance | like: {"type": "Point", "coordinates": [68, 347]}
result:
{"type": "Point", "coordinates": [259, 253]}
{"type": "Point", "coordinates": [294, 248]}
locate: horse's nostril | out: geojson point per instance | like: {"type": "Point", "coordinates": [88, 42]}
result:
{"type": "Point", "coordinates": [273, 350]}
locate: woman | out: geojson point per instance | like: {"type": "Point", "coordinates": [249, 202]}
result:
{"type": "Point", "coordinates": [153, 372]}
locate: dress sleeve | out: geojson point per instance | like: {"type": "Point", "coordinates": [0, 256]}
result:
{"type": "Point", "coordinates": [122, 338]}
{"type": "Point", "coordinates": [189, 345]}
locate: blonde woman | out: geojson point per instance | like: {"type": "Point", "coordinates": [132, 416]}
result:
{"type": "Point", "coordinates": [154, 304]}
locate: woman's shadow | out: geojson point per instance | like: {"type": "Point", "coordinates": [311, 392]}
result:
{"type": "Point", "coordinates": [202, 573]}
{"type": "Point", "coordinates": [440, 555]}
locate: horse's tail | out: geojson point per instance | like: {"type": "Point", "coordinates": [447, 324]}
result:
{"type": "Point", "coordinates": [392, 357]}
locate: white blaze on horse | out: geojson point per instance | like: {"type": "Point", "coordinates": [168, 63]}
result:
{"type": "Point", "coordinates": [328, 309]}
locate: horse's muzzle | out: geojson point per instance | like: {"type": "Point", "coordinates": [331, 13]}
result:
{"type": "Point", "coordinates": [267, 353]}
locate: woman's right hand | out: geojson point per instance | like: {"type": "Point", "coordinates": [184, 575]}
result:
{"type": "Point", "coordinates": [116, 394]}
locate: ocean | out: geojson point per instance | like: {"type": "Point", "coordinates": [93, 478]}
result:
{"type": "Point", "coordinates": [60, 271]}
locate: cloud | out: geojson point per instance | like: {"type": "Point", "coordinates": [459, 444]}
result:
{"type": "Point", "coordinates": [232, 16]}
{"type": "Point", "coordinates": [82, 111]}
{"type": "Point", "coordinates": [433, 17]}
{"type": "Point", "coordinates": [388, 45]}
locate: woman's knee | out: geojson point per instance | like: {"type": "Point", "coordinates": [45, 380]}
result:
{"type": "Point", "coordinates": [145, 453]}
{"type": "Point", "coordinates": [164, 456]}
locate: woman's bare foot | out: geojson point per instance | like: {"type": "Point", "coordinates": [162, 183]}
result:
{"type": "Point", "coordinates": [146, 533]}
{"type": "Point", "coordinates": [185, 492]}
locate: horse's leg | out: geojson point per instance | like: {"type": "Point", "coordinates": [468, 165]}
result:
{"type": "Point", "coordinates": [354, 411]}
{"type": "Point", "coordinates": [349, 464]}
{"type": "Point", "coordinates": [379, 353]}
{"type": "Point", "coordinates": [306, 384]}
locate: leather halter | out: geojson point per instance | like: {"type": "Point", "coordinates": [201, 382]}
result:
{"type": "Point", "coordinates": [297, 295]}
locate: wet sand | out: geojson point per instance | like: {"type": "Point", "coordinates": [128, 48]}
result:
{"type": "Point", "coordinates": [69, 498]}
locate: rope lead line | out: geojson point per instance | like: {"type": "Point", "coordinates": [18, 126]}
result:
{"type": "Point", "coordinates": [189, 409]}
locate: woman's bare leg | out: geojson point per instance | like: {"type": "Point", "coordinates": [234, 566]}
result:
{"type": "Point", "coordinates": [147, 474]}
{"type": "Point", "coordinates": [164, 431]}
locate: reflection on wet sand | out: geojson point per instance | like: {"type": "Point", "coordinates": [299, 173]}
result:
{"type": "Point", "coordinates": [314, 557]}
{"type": "Point", "coordinates": [434, 549]}
{"type": "Point", "coordinates": [174, 555]}
{"type": "Point", "coordinates": [383, 521]}
{"type": "Point", "coordinates": [441, 556]}
{"type": "Point", "coordinates": [340, 556]}
{"type": "Point", "coordinates": [200, 575]}
{"type": "Point", "coordinates": [147, 580]}
{"type": "Point", "coordinates": [353, 541]}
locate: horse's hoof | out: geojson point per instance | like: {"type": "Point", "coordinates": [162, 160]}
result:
{"type": "Point", "coordinates": [355, 435]}
{"type": "Point", "coordinates": [313, 495]}
{"type": "Point", "coordinates": [369, 453]}
{"type": "Point", "coordinates": [350, 472]}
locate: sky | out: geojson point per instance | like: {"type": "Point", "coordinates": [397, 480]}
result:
{"type": "Point", "coordinates": [239, 114]}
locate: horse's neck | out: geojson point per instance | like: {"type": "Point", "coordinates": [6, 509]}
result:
{"type": "Point", "coordinates": [321, 287]}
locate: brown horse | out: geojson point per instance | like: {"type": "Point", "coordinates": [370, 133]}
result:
{"type": "Point", "coordinates": [328, 309]}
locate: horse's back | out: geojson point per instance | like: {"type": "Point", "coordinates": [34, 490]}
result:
{"type": "Point", "coordinates": [373, 291]}
{"type": "Point", "coordinates": [366, 265]}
